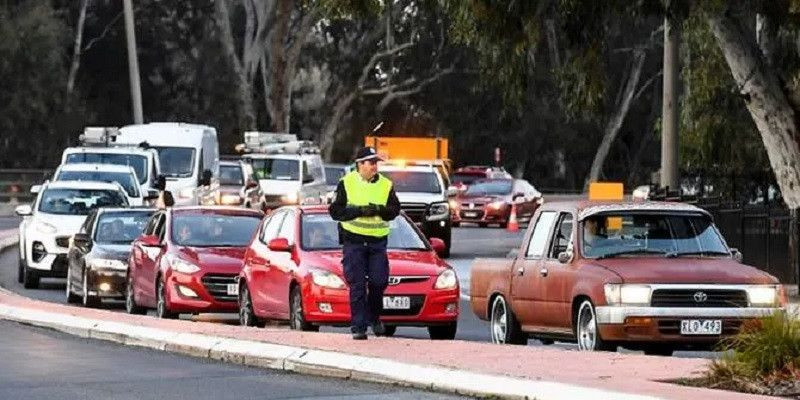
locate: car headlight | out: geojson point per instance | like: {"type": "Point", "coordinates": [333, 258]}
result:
{"type": "Point", "coordinates": [102, 263]}
{"type": "Point", "coordinates": [186, 193]}
{"type": "Point", "coordinates": [291, 198]}
{"type": "Point", "coordinates": [453, 204]}
{"type": "Point", "coordinates": [180, 265]}
{"type": "Point", "coordinates": [446, 280]}
{"type": "Point", "coordinates": [438, 210]}
{"type": "Point", "coordinates": [765, 296]}
{"type": "Point", "coordinates": [327, 279]}
{"type": "Point", "coordinates": [619, 294]}
{"type": "Point", "coordinates": [44, 227]}
{"type": "Point", "coordinates": [496, 205]}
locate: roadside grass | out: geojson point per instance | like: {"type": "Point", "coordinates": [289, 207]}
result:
{"type": "Point", "coordinates": [765, 359]}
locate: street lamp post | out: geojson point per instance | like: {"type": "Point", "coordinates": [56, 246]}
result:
{"type": "Point", "coordinates": [133, 63]}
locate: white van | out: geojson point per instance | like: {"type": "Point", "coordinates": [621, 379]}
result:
{"type": "Point", "coordinates": [188, 156]}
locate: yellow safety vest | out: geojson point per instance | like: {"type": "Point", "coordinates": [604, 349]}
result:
{"type": "Point", "coordinates": [362, 193]}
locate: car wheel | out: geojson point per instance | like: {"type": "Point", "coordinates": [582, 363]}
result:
{"type": "Point", "coordinates": [545, 342]}
{"type": "Point", "coordinates": [72, 298]}
{"type": "Point", "coordinates": [30, 280]}
{"type": "Point", "coordinates": [456, 224]}
{"type": "Point", "coordinates": [389, 330]}
{"type": "Point", "coordinates": [504, 326]}
{"type": "Point", "coordinates": [503, 225]}
{"type": "Point", "coordinates": [21, 271]}
{"type": "Point", "coordinates": [586, 330]}
{"type": "Point", "coordinates": [483, 224]}
{"type": "Point", "coordinates": [659, 350]}
{"type": "Point", "coordinates": [162, 308]}
{"type": "Point", "coordinates": [87, 299]}
{"type": "Point", "coordinates": [247, 317]}
{"type": "Point", "coordinates": [443, 332]}
{"type": "Point", "coordinates": [297, 317]}
{"type": "Point", "coordinates": [130, 298]}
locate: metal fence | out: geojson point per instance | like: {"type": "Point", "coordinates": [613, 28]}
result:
{"type": "Point", "coordinates": [15, 184]}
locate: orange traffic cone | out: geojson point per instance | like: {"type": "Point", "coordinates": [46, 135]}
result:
{"type": "Point", "coordinates": [513, 224]}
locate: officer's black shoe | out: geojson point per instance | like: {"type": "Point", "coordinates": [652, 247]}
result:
{"type": "Point", "coordinates": [359, 336]}
{"type": "Point", "coordinates": [378, 329]}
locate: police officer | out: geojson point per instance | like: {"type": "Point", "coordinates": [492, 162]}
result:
{"type": "Point", "coordinates": [365, 203]}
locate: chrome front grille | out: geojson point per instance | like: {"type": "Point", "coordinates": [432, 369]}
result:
{"type": "Point", "coordinates": [415, 211]}
{"type": "Point", "coordinates": [699, 298]}
{"type": "Point", "coordinates": [217, 286]}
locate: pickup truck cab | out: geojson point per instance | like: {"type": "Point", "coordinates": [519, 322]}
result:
{"type": "Point", "coordinates": [648, 276]}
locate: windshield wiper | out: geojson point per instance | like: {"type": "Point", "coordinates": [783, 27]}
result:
{"type": "Point", "coordinates": [702, 253]}
{"type": "Point", "coordinates": [637, 251]}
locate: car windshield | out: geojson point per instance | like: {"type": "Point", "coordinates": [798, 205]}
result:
{"type": "Point", "coordinates": [176, 161]}
{"type": "Point", "coordinates": [127, 180]}
{"type": "Point", "coordinates": [79, 201]}
{"type": "Point", "coordinates": [465, 178]}
{"type": "Point", "coordinates": [498, 187]}
{"type": "Point", "coordinates": [276, 169]}
{"type": "Point", "coordinates": [333, 175]}
{"type": "Point", "coordinates": [120, 227]}
{"type": "Point", "coordinates": [231, 175]}
{"type": "Point", "coordinates": [412, 181]}
{"type": "Point", "coordinates": [610, 235]}
{"type": "Point", "coordinates": [213, 230]}
{"type": "Point", "coordinates": [138, 162]}
{"type": "Point", "coordinates": [321, 232]}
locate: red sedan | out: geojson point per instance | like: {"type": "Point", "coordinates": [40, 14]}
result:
{"type": "Point", "coordinates": [293, 271]}
{"type": "Point", "coordinates": [187, 260]}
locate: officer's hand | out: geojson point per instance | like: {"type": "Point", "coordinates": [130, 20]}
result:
{"type": "Point", "coordinates": [379, 209]}
{"type": "Point", "coordinates": [369, 211]}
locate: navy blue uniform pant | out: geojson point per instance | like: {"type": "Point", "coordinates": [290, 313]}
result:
{"type": "Point", "coordinates": [366, 269]}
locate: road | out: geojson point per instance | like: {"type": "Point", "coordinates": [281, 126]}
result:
{"type": "Point", "coordinates": [43, 364]}
{"type": "Point", "coordinates": [468, 243]}
{"type": "Point", "coordinates": [7, 222]}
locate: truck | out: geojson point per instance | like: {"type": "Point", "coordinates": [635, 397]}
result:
{"type": "Point", "coordinates": [409, 148]}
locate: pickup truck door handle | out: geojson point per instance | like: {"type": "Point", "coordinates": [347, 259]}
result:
{"type": "Point", "coordinates": [521, 271]}
{"type": "Point", "coordinates": [543, 271]}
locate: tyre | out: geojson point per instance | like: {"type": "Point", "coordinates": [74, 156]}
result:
{"type": "Point", "coordinates": [456, 224]}
{"type": "Point", "coordinates": [30, 279]}
{"type": "Point", "coordinates": [447, 239]}
{"type": "Point", "coordinates": [21, 271]}
{"type": "Point", "coordinates": [504, 326]}
{"type": "Point", "coordinates": [503, 225]}
{"type": "Point", "coordinates": [483, 224]}
{"type": "Point", "coordinates": [247, 316]}
{"type": "Point", "coordinates": [586, 330]}
{"type": "Point", "coordinates": [162, 308]}
{"type": "Point", "coordinates": [72, 298]}
{"type": "Point", "coordinates": [130, 298]}
{"type": "Point", "coordinates": [659, 350]}
{"type": "Point", "coordinates": [297, 317]}
{"type": "Point", "coordinates": [389, 330]}
{"type": "Point", "coordinates": [88, 300]}
{"type": "Point", "coordinates": [443, 332]}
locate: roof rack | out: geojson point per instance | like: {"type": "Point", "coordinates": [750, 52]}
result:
{"type": "Point", "coordinates": [275, 143]}
{"type": "Point", "coordinates": [104, 136]}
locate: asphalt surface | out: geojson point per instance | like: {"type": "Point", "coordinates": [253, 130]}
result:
{"type": "Point", "coordinates": [42, 364]}
{"type": "Point", "coordinates": [7, 222]}
{"type": "Point", "coordinates": [468, 243]}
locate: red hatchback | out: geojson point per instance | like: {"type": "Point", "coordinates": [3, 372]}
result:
{"type": "Point", "coordinates": [187, 260]}
{"type": "Point", "coordinates": [293, 271]}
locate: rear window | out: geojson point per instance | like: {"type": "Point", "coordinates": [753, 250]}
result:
{"type": "Point", "coordinates": [231, 175]}
{"type": "Point", "coordinates": [138, 162]}
{"type": "Point", "coordinates": [276, 169]}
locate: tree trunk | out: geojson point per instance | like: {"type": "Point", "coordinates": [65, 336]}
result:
{"type": "Point", "coordinates": [76, 52]}
{"type": "Point", "coordinates": [614, 123]}
{"type": "Point", "coordinates": [278, 103]}
{"type": "Point", "coordinates": [246, 113]}
{"type": "Point", "coordinates": [768, 105]}
{"type": "Point", "coordinates": [331, 129]}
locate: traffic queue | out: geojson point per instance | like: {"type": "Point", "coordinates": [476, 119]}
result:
{"type": "Point", "coordinates": [267, 236]}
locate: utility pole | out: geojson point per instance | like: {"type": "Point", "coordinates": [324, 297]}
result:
{"type": "Point", "coordinates": [133, 63]}
{"type": "Point", "coordinates": [669, 112]}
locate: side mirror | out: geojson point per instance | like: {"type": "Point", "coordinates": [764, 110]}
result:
{"type": "Point", "coordinates": [438, 245]}
{"type": "Point", "coordinates": [36, 188]}
{"type": "Point", "coordinates": [150, 241]}
{"type": "Point", "coordinates": [308, 179]}
{"type": "Point", "coordinates": [279, 244]}
{"type": "Point", "coordinates": [82, 239]}
{"type": "Point", "coordinates": [23, 210]}
{"type": "Point", "coordinates": [161, 183]}
{"type": "Point", "coordinates": [565, 257]}
{"type": "Point", "coordinates": [205, 178]}
{"type": "Point", "coordinates": [151, 194]}
{"type": "Point", "coordinates": [737, 255]}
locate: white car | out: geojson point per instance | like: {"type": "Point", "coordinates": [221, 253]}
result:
{"type": "Point", "coordinates": [144, 161]}
{"type": "Point", "coordinates": [289, 178]}
{"type": "Point", "coordinates": [57, 213]}
{"type": "Point", "coordinates": [122, 174]}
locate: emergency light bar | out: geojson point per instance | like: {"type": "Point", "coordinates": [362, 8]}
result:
{"type": "Point", "coordinates": [98, 135]}
{"type": "Point", "coordinates": [275, 143]}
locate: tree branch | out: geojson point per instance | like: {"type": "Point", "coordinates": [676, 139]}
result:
{"type": "Point", "coordinates": [374, 59]}
{"type": "Point", "coordinates": [391, 96]}
{"type": "Point", "coordinates": [105, 32]}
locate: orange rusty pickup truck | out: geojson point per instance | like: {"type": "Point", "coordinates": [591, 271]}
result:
{"type": "Point", "coordinates": [649, 276]}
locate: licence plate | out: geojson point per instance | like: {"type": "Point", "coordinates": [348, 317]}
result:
{"type": "Point", "coordinates": [468, 214]}
{"type": "Point", "coordinates": [233, 289]}
{"type": "Point", "coordinates": [396, 302]}
{"type": "Point", "coordinates": [701, 327]}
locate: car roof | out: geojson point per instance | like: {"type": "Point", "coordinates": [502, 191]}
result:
{"type": "Point", "coordinates": [222, 210]}
{"type": "Point", "coordinates": [587, 208]}
{"type": "Point", "coordinates": [82, 185]}
{"type": "Point", "coordinates": [113, 148]}
{"type": "Point", "coordinates": [95, 167]}
{"type": "Point", "coordinates": [177, 134]}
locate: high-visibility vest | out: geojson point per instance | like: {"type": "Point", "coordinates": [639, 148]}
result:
{"type": "Point", "coordinates": [362, 193]}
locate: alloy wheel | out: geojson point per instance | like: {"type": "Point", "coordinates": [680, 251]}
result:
{"type": "Point", "coordinates": [587, 328]}
{"type": "Point", "coordinates": [499, 321]}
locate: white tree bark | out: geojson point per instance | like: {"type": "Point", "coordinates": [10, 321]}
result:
{"type": "Point", "coordinates": [614, 123]}
{"type": "Point", "coordinates": [768, 104]}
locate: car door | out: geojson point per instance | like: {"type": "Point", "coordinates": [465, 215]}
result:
{"type": "Point", "coordinates": [282, 268]}
{"type": "Point", "coordinates": [525, 278]}
{"type": "Point", "coordinates": [140, 257]}
{"type": "Point", "coordinates": [557, 279]}
{"type": "Point", "coordinates": [146, 277]}
{"type": "Point", "coordinates": [76, 253]}
{"type": "Point", "coordinates": [260, 266]}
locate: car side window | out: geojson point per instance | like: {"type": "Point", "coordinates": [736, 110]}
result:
{"type": "Point", "coordinates": [541, 232]}
{"type": "Point", "coordinates": [287, 228]}
{"type": "Point", "coordinates": [271, 227]}
{"type": "Point", "coordinates": [87, 222]}
{"type": "Point", "coordinates": [561, 235]}
{"type": "Point", "coordinates": [307, 177]}
{"type": "Point", "coordinates": [160, 228]}
{"type": "Point", "coordinates": [151, 224]}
